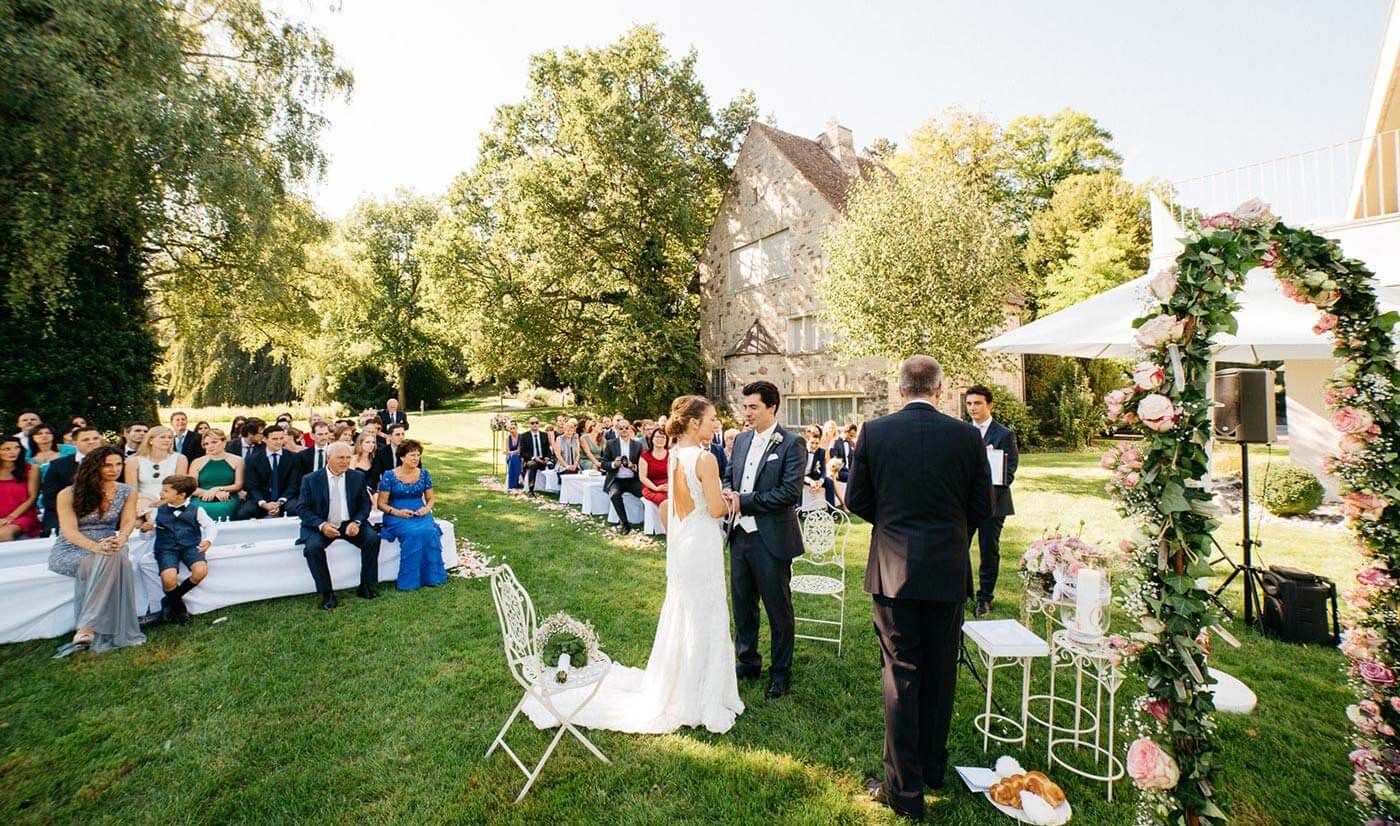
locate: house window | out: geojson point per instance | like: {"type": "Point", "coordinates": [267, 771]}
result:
{"type": "Point", "coordinates": [717, 386]}
{"type": "Point", "coordinates": [802, 411]}
{"type": "Point", "coordinates": [764, 260]}
{"type": "Point", "coordinates": [805, 334]}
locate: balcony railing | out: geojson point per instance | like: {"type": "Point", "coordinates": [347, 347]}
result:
{"type": "Point", "coordinates": [1342, 183]}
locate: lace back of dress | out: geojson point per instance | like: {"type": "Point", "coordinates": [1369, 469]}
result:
{"type": "Point", "coordinates": [686, 492]}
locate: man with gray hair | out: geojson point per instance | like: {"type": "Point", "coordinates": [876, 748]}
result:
{"type": "Point", "coordinates": [335, 505]}
{"type": "Point", "coordinates": [921, 479]}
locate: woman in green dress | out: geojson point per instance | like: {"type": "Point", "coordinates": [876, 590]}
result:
{"type": "Point", "coordinates": [219, 477]}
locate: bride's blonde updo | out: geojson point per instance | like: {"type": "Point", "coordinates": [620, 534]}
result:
{"type": "Point", "coordinates": [685, 410]}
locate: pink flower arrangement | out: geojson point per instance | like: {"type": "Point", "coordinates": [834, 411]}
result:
{"type": "Point", "coordinates": [1325, 323]}
{"type": "Point", "coordinates": [1221, 220]}
{"type": "Point", "coordinates": [1375, 577]}
{"type": "Point", "coordinates": [1335, 396]}
{"type": "Point", "coordinates": [1290, 290]}
{"type": "Point", "coordinates": [1271, 258]}
{"type": "Point", "coordinates": [1364, 506]}
{"type": "Point", "coordinates": [1352, 420]}
{"type": "Point", "coordinates": [1150, 767]}
{"type": "Point", "coordinates": [1148, 376]}
{"type": "Point", "coordinates": [1363, 644]}
{"type": "Point", "coordinates": [1159, 331]}
{"type": "Point", "coordinates": [1131, 479]}
{"type": "Point", "coordinates": [1157, 412]}
{"type": "Point", "coordinates": [1158, 708]}
{"type": "Point", "coordinates": [1377, 675]}
{"type": "Point", "coordinates": [1113, 402]}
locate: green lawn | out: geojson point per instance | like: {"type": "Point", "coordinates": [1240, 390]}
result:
{"type": "Point", "coordinates": [381, 711]}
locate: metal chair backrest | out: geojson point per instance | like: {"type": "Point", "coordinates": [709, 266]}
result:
{"type": "Point", "coordinates": [824, 536]}
{"type": "Point", "coordinates": [517, 615]}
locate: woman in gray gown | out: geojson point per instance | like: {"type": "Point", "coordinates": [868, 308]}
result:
{"type": "Point", "coordinates": [96, 516]}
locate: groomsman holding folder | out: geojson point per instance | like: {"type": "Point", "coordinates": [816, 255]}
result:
{"type": "Point", "coordinates": [1003, 457]}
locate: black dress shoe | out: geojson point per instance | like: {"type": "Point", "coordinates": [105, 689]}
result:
{"type": "Point", "coordinates": [748, 672]}
{"type": "Point", "coordinates": [776, 690]}
{"type": "Point", "coordinates": [366, 592]}
{"type": "Point", "coordinates": [880, 796]}
{"type": "Point", "coordinates": [328, 602]}
{"type": "Point", "coordinates": [982, 609]}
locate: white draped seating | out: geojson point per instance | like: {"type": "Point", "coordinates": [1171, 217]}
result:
{"type": "Point", "coordinates": [252, 560]}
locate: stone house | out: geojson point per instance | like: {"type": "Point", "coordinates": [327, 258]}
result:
{"type": "Point", "coordinates": [763, 257]}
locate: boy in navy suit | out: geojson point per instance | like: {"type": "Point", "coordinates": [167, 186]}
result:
{"type": "Point", "coordinates": [183, 533]}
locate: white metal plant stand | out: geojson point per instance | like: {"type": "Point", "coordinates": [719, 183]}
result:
{"type": "Point", "coordinates": [517, 615]}
{"type": "Point", "coordinates": [1095, 660]}
{"type": "Point", "coordinates": [824, 534]}
{"type": "Point", "coordinates": [1086, 721]}
{"type": "Point", "coordinates": [1004, 644]}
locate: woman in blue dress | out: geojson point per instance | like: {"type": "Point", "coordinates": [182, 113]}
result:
{"type": "Point", "coordinates": [513, 464]}
{"type": "Point", "coordinates": [406, 497]}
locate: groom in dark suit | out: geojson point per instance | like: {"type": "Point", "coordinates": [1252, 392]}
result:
{"type": "Point", "coordinates": [335, 505]}
{"type": "Point", "coordinates": [765, 486]}
{"type": "Point", "coordinates": [921, 480]}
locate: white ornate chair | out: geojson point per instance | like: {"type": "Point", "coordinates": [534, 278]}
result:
{"type": "Point", "coordinates": [518, 624]}
{"type": "Point", "coordinates": [824, 534]}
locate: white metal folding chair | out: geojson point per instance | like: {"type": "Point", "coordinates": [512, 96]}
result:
{"type": "Point", "coordinates": [518, 624]}
{"type": "Point", "coordinates": [824, 542]}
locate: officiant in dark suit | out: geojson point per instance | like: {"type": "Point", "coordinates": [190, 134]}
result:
{"type": "Point", "coordinates": [922, 481]}
{"type": "Point", "coordinates": [998, 436]}
{"type": "Point", "coordinates": [61, 472]}
{"type": "Point", "coordinates": [335, 505]}
{"type": "Point", "coordinates": [766, 484]}
{"type": "Point", "coordinates": [392, 415]}
{"type": "Point", "coordinates": [620, 461]}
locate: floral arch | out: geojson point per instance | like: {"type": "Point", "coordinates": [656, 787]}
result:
{"type": "Point", "coordinates": [1174, 760]}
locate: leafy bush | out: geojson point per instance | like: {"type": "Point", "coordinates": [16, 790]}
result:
{"type": "Point", "coordinates": [363, 386]}
{"type": "Point", "coordinates": [1013, 413]}
{"type": "Point", "coordinates": [426, 382]}
{"type": "Point", "coordinates": [1047, 380]}
{"type": "Point", "coordinates": [1286, 490]}
{"type": "Point", "coordinates": [1076, 413]}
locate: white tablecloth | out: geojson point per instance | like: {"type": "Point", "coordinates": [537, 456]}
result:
{"type": "Point", "coordinates": [547, 481]}
{"type": "Point", "coordinates": [573, 487]}
{"type": "Point", "coordinates": [635, 511]}
{"type": "Point", "coordinates": [598, 503]}
{"type": "Point", "coordinates": [36, 603]}
{"type": "Point", "coordinates": [35, 551]}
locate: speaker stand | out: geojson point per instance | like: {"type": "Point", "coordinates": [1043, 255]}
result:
{"type": "Point", "coordinates": [1252, 580]}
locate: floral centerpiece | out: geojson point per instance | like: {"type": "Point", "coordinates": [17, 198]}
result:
{"type": "Point", "coordinates": [1049, 566]}
{"type": "Point", "coordinates": [501, 421]}
{"type": "Point", "coordinates": [566, 644]}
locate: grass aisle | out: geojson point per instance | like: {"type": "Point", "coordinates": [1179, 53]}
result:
{"type": "Point", "coordinates": [381, 711]}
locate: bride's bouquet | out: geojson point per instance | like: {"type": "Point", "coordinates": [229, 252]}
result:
{"type": "Point", "coordinates": [565, 644]}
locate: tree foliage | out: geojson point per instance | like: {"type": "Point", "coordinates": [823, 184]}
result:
{"type": "Point", "coordinates": [573, 241]}
{"type": "Point", "coordinates": [1096, 226]}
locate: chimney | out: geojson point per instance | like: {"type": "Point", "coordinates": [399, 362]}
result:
{"type": "Point", "coordinates": [837, 142]}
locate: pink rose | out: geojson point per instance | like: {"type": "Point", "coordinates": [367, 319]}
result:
{"type": "Point", "coordinates": [1374, 577]}
{"type": "Point", "coordinates": [1108, 460]}
{"type": "Point", "coordinates": [1291, 291]}
{"type": "Point", "coordinates": [1362, 759]}
{"type": "Point", "coordinates": [1148, 376]}
{"type": "Point", "coordinates": [1352, 420]}
{"type": "Point", "coordinates": [1131, 458]}
{"type": "Point", "coordinates": [1131, 480]}
{"type": "Point", "coordinates": [1113, 402]}
{"type": "Point", "coordinates": [1395, 704]}
{"type": "Point", "coordinates": [1158, 708]}
{"type": "Point", "coordinates": [1325, 323]}
{"type": "Point", "coordinates": [1126, 546]}
{"type": "Point", "coordinates": [1163, 285]}
{"type": "Point", "coordinates": [1271, 258]}
{"type": "Point", "coordinates": [1376, 674]}
{"type": "Point", "coordinates": [1365, 723]}
{"type": "Point", "coordinates": [1353, 443]}
{"type": "Point", "coordinates": [1157, 413]}
{"type": "Point", "coordinates": [1130, 418]}
{"type": "Point", "coordinates": [1159, 331]}
{"type": "Point", "coordinates": [1221, 220]}
{"type": "Point", "coordinates": [1370, 707]}
{"type": "Point", "coordinates": [1365, 506]}
{"type": "Point", "coordinates": [1150, 767]}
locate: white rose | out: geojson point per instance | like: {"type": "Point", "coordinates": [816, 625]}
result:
{"type": "Point", "coordinates": [1254, 211]}
{"type": "Point", "coordinates": [1148, 376]}
{"type": "Point", "coordinates": [1159, 331]}
{"type": "Point", "coordinates": [1163, 285]}
{"type": "Point", "coordinates": [1157, 413]}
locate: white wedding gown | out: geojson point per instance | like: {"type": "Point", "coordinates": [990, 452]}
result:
{"type": "Point", "coordinates": [689, 679]}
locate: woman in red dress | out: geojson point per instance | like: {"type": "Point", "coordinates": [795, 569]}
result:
{"type": "Point", "coordinates": [19, 488]}
{"type": "Point", "coordinates": [653, 468]}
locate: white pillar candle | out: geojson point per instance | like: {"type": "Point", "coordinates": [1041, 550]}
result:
{"type": "Point", "coordinates": [1088, 599]}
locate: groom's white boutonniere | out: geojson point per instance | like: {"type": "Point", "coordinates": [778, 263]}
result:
{"type": "Point", "coordinates": [775, 439]}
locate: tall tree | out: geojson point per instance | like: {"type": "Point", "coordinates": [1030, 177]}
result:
{"type": "Point", "coordinates": [575, 237]}
{"type": "Point", "coordinates": [1044, 151]}
{"type": "Point", "coordinates": [1081, 206]}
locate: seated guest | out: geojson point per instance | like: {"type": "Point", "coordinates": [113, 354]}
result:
{"type": "Point", "coordinates": [236, 429]}
{"type": "Point", "coordinates": [535, 454]}
{"type": "Point", "coordinates": [591, 443]}
{"type": "Point", "coordinates": [77, 421]}
{"type": "Point", "coordinates": [61, 473]}
{"type": "Point", "coordinates": [829, 436]}
{"type": "Point", "coordinates": [247, 441]}
{"type": "Point", "coordinates": [183, 534]}
{"type": "Point", "coordinates": [644, 429]}
{"type": "Point", "coordinates": [513, 462]}
{"type": "Point", "coordinates": [155, 460]}
{"type": "Point", "coordinates": [815, 476]}
{"type": "Point", "coordinates": [294, 440]}
{"type": "Point", "coordinates": [187, 443]}
{"type": "Point", "coordinates": [284, 421]}
{"type": "Point", "coordinates": [366, 460]}
{"type": "Point", "coordinates": [344, 432]}
{"type": "Point", "coordinates": [200, 429]}
{"type": "Point", "coordinates": [729, 436]}
{"type": "Point", "coordinates": [96, 516]}
{"type": "Point", "coordinates": [70, 435]}
{"type": "Point", "coordinates": [655, 483]}
{"type": "Point", "coordinates": [314, 457]}
{"type": "Point", "coordinates": [568, 455]}
{"type": "Point", "coordinates": [272, 477]}
{"type": "Point", "coordinates": [406, 497]}
{"type": "Point", "coordinates": [44, 447]}
{"type": "Point", "coordinates": [132, 436]}
{"type": "Point", "coordinates": [388, 456]}
{"type": "Point", "coordinates": [373, 426]}
{"type": "Point", "coordinates": [26, 422]}
{"type": "Point", "coordinates": [335, 505]}
{"type": "Point", "coordinates": [218, 479]}
{"type": "Point", "coordinates": [621, 462]}
{"type": "Point", "coordinates": [19, 490]}
{"type": "Point", "coordinates": [391, 414]}
{"type": "Point", "coordinates": [308, 439]}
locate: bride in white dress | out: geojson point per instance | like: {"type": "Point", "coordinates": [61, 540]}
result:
{"type": "Point", "coordinates": [689, 679]}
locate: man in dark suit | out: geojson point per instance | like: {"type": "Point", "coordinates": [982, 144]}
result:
{"type": "Point", "coordinates": [765, 486]}
{"type": "Point", "coordinates": [620, 460]}
{"type": "Point", "coordinates": [844, 449]}
{"type": "Point", "coordinates": [921, 480]}
{"type": "Point", "coordinates": [272, 479]}
{"type": "Point", "coordinates": [132, 436]}
{"type": "Point", "coordinates": [335, 505]}
{"type": "Point", "coordinates": [535, 453]}
{"type": "Point", "coordinates": [392, 415]}
{"type": "Point", "coordinates": [186, 440]}
{"type": "Point", "coordinates": [314, 458]}
{"type": "Point", "coordinates": [249, 441]}
{"type": "Point", "coordinates": [61, 472]}
{"type": "Point", "coordinates": [999, 436]}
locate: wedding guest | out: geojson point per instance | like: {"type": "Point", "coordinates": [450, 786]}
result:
{"type": "Point", "coordinates": [314, 457]}
{"type": "Point", "coordinates": [284, 420]}
{"type": "Point", "coordinates": [373, 427]}
{"type": "Point", "coordinates": [308, 439]}
{"type": "Point", "coordinates": [366, 457]}
{"type": "Point", "coordinates": [132, 436]}
{"type": "Point", "coordinates": [218, 479]}
{"type": "Point", "coordinates": [155, 459]}
{"type": "Point", "coordinates": [621, 461]}
{"type": "Point", "coordinates": [567, 452]}
{"type": "Point", "coordinates": [387, 457]}
{"type": "Point", "coordinates": [610, 431]}
{"type": "Point", "coordinates": [249, 441]}
{"type": "Point", "coordinates": [1000, 437]}
{"type": "Point", "coordinates": [19, 490]}
{"type": "Point", "coordinates": [335, 505]}
{"type": "Point", "coordinates": [273, 478]}
{"type": "Point", "coordinates": [829, 436]}
{"type": "Point", "coordinates": [187, 443]}
{"type": "Point", "coordinates": [344, 432]}
{"type": "Point", "coordinates": [63, 470]}
{"type": "Point", "coordinates": [591, 443]}
{"type": "Point", "coordinates": [645, 428]}
{"type": "Point", "coordinates": [406, 497]}
{"type": "Point", "coordinates": [70, 435]}
{"type": "Point", "coordinates": [391, 414]}
{"type": "Point", "coordinates": [200, 429]}
{"type": "Point", "coordinates": [844, 449]}
{"type": "Point", "coordinates": [815, 476]}
{"type": "Point", "coordinates": [729, 436]}
{"type": "Point", "coordinates": [294, 443]}
{"type": "Point", "coordinates": [655, 487]}
{"type": "Point", "coordinates": [96, 516]}
{"type": "Point", "coordinates": [26, 422]}
{"type": "Point", "coordinates": [183, 534]}
{"type": "Point", "coordinates": [535, 454]}
{"type": "Point", "coordinates": [513, 461]}
{"type": "Point", "coordinates": [44, 448]}
{"type": "Point", "coordinates": [236, 429]}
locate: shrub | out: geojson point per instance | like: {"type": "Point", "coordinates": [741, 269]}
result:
{"type": "Point", "coordinates": [363, 386]}
{"type": "Point", "coordinates": [1286, 490]}
{"type": "Point", "coordinates": [425, 382]}
{"type": "Point", "coordinates": [1013, 413]}
{"type": "Point", "coordinates": [533, 396]}
{"type": "Point", "coordinates": [1077, 415]}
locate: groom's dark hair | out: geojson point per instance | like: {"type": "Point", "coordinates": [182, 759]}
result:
{"type": "Point", "coordinates": [766, 390]}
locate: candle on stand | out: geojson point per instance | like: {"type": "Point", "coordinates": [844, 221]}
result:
{"type": "Point", "coordinates": [1088, 602]}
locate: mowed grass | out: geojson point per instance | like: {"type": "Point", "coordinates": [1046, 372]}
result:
{"type": "Point", "coordinates": [381, 711]}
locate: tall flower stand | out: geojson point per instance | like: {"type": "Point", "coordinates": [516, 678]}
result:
{"type": "Point", "coordinates": [1085, 721]}
{"type": "Point", "coordinates": [1096, 661]}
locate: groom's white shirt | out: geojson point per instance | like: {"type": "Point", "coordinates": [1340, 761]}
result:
{"type": "Point", "coordinates": [758, 448]}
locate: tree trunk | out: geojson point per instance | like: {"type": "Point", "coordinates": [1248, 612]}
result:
{"type": "Point", "coordinates": [403, 393]}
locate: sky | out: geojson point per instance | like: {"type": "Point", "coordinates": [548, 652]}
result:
{"type": "Point", "coordinates": [1186, 87]}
